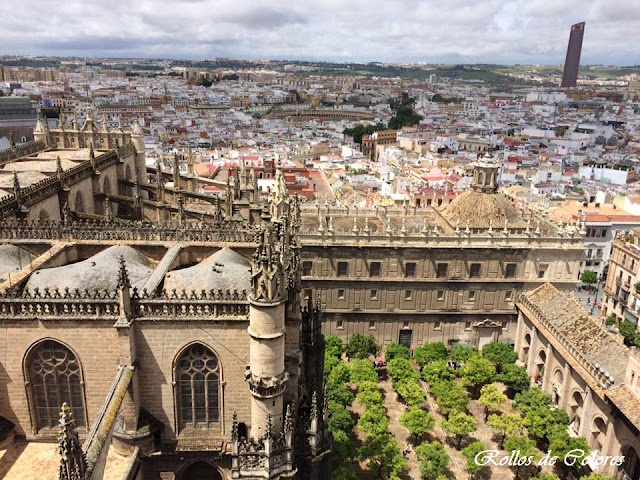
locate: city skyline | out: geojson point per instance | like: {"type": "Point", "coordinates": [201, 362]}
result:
{"type": "Point", "coordinates": [513, 32]}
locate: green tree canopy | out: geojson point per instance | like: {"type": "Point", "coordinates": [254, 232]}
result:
{"type": "Point", "coordinates": [514, 377]}
{"type": "Point", "coordinates": [492, 398]}
{"type": "Point", "coordinates": [339, 374]}
{"type": "Point", "coordinates": [531, 399]}
{"type": "Point", "coordinates": [333, 346]}
{"type": "Point", "coordinates": [400, 370]}
{"type": "Point", "coordinates": [525, 448]}
{"type": "Point", "coordinates": [358, 131]}
{"type": "Point", "coordinates": [437, 371]}
{"type": "Point", "coordinates": [541, 422]}
{"type": "Point", "coordinates": [589, 277]}
{"type": "Point", "coordinates": [561, 443]}
{"type": "Point", "coordinates": [546, 476]}
{"type": "Point", "coordinates": [330, 362]}
{"type": "Point", "coordinates": [405, 115]}
{"type": "Point", "coordinates": [459, 424]}
{"type": "Point", "coordinates": [469, 453]}
{"type": "Point", "coordinates": [369, 397]}
{"type": "Point", "coordinates": [430, 352]}
{"type": "Point", "coordinates": [373, 421]}
{"type": "Point", "coordinates": [506, 425]}
{"type": "Point", "coordinates": [432, 458]}
{"type": "Point", "coordinates": [462, 353]}
{"type": "Point", "coordinates": [339, 419]}
{"type": "Point", "coordinates": [500, 353]}
{"type": "Point", "coordinates": [381, 453]}
{"type": "Point", "coordinates": [451, 397]}
{"type": "Point", "coordinates": [417, 421]}
{"type": "Point", "coordinates": [596, 476]}
{"type": "Point", "coordinates": [395, 350]}
{"type": "Point", "coordinates": [341, 394]}
{"type": "Point", "coordinates": [411, 392]}
{"type": "Point", "coordinates": [477, 372]}
{"type": "Point", "coordinates": [361, 346]}
{"type": "Point", "coordinates": [362, 370]}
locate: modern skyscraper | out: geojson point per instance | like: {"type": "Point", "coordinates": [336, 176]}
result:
{"type": "Point", "coordinates": [572, 62]}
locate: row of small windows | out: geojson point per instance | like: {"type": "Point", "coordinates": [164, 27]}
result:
{"type": "Point", "coordinates": [408, 295]}
{"type": "Point", "coordinates": [55, 377]}
{"type": "Point", "coordinates": [437, 325]}
{"type": "Point", "coordinates": [442, 269]}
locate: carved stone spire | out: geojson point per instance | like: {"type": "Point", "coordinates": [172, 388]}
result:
{"type": "Point", "coordinates": [17, 191]}
{"type": "Point", "coordinates": [105, 123]}
{"type": "Point", "coordinates": [59, 170]}
{"type": "Point", "coordinates": [269, 429]}
{"type": "Point", "coordinates": [123, 276]}
{"type": "Point", "coordinates": [288, 420]}
{"type": "Point", "coordinates": [108, 214]}
{"type": "Point", "coordinates": [73, 464]}
{"type": "Point", "coordinates": [234, 426]}
{"type": "Point", "coordinates": [92, 155]}
{"type": "Point", "coordinates": [181, 209]}
{"type": "Point", "coordinates": [267, 280]}
{"type": "Point", "coordinates": [176, 172]}
{"type": "Point", "coordinates": [12, 140]}
{"type": "Point", "coordinates": [74, 124]}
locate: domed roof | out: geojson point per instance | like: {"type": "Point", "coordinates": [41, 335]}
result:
{"type": "Point", "coordinates": [97, 272]}
{"type": "Point", "coordinates": [225, 270]}
{"type": "Point", "coordinates": [480, 208]}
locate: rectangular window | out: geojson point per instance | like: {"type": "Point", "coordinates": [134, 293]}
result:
{"type": "Point", "coordinates": [508, 295]}
{"type": "Point", "coordinates": [341, 294]}
{"type": "Point", "coordinates": [440, 295]}
{"type": "Point", "coordinates": [306, 268]}
{"type": "Point", "coordinates": [343, 269]}
{"type": "Point", "coordinates": [474, 270]}
{"type": "Point", "coordinates": [467, 325]}
{"type": "Point", "coordinates": [510, 270]}
{"type": "Point", "coordinates": [372, 325]}
{"type": "Point", "coordinates": [374, 271]}
{"type": "Point", "coordinates": [307, 294]}
{"type": "Point", "coordinates": [542, 271]}
{"type": "Point", "coordinates": [339, 324]}
{"type": "Point", "coordinates": [437, 325]}
{"type": "Point", "coordinates": [472, 296]}
{"type": "Point", "coordinates": [441, 271]}
{"type": "Point", "coordinates": [408, 294]}
{"type": "Point", "coordinates": [374, 295]}
{"type": "Point", "coordinates": [410, 270]}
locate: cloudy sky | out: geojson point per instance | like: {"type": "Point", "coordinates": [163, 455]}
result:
{"type": "Point", "coordinates": [451, 31]}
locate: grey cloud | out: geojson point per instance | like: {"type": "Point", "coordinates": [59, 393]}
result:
{"type": "Point", "coordinates": [499, 31]}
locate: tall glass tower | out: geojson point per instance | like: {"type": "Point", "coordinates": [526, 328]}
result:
{"type": "Point", "coordinates": [572, 62]}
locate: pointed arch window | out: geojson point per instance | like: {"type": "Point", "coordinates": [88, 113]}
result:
{"type": "Point", "coordinates": [55, 378]}
{"type": "Point", "coordinates": [198, 379]}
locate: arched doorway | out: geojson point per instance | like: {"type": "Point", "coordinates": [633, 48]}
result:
{"type": "Point", "coordinates": [630, 468]}
{"type": "Point", "coordinates": [540, 363]}
{"type": "Point", "coordinates": [201, 471]}
{"type": "Point", "coordinates": [526, 347]}
{"type": "Point", "coordinates": [599, 432]}
{"type": "Point", "coordinates": [575, 413]}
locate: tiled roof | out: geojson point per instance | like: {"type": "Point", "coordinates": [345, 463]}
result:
{"type": "Point", "coordinates": [580, 330]}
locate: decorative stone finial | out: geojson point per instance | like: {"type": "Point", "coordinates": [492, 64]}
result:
{"type": "Point", "coordinates": [12, 140]}
{"type": "Point", "coordinates": [123, 276]}
{"type": "Point", "coordinates": [269, 427]}
{"type": "Point", "coordinates": [108, 214]}
{"type": "Point", "coordinates": [73, 464]}
{"type": "Point", "coordinates": [288, 420]}
{"type": "Point", "coordinates": [234, 426]}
